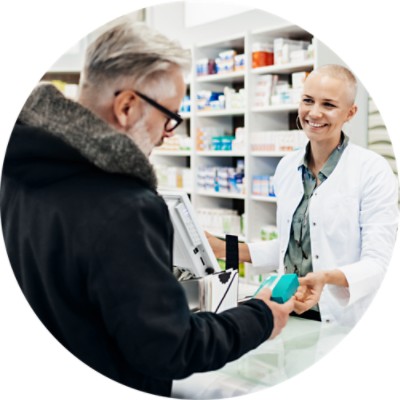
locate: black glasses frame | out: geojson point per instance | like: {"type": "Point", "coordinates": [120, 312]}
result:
{"type": "Point", "coordinates": [171, 115]}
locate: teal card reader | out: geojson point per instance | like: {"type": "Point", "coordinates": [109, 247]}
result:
{"type": "Point", "coordinates": [283, 287]}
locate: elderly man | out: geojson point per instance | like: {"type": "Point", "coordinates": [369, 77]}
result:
{"type": "Point", "coordinates": [89, 238]}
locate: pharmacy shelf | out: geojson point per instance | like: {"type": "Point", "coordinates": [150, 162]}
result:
{"type": "Point", "coordinates": [224, 195]}
{"type": "Point", "coordinates": [220, 153]}
{"type": "Point", "coordinates": [265, 199]}
{"type": "Point", "coordinates": [236, 76]}
{"type": "Point", "coordinates": [276, 108]}
{"type": "Point", "coordinates": [174, 189]}
{"type": "Point", "coordinates": [221, 113]}
{"type": "Point", "coordinates": [172, 153]}
{"type": "Point", "coordinates": [306, 65]}
{"type": "Point", "coordinates": [185, 115]}
{"type": "Point", "coordinates": [269, 153]}
{"type": "Point", "coordinates": [285, 29]}
{"type": "Point", "coordinates": [258, 210]}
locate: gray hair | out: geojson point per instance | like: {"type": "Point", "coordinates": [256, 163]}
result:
{"type": "Point", "coordinates": [131, 52]}
{"type": "Point", "coordinates": [340, 72]}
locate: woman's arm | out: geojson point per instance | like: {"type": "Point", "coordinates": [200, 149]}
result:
{"type": "Point", "coordinates": [218, 246]}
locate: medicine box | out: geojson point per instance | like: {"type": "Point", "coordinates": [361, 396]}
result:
{"type": "Point", "coordinates": [283, 287]}
{"type": "Point", "coordinates": [262, 54]}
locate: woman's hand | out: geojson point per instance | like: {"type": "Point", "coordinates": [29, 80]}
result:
{"type": "Point", "coordinates": [217, 245]}
{"type": "Point", "coordinates": [309, 291]}
{"type": "Point", "coordinates": [311, 286]}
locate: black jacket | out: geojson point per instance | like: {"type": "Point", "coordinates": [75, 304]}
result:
{"type": "Point", "coordinates": [90, 243]}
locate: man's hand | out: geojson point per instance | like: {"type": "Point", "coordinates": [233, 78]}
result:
{"type": "Point", "coordinates": [309, 291]}
{"type": "Point", "coordinates": [280, 312]}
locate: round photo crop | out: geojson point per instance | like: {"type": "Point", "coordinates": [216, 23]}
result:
{"type": "Point", "coordinates": [199, 205]}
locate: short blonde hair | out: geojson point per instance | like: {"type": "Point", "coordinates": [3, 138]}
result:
{"type": "Point", "coordinates": [340, 72]}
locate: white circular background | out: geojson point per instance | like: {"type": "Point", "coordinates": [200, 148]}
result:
{"type": "Point", "coordinates": [34, 34]}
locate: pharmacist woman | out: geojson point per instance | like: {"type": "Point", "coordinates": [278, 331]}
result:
{"type": "Point", "coordinates": [337, 211]}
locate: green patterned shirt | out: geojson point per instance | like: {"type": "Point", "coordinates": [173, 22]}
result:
{"type": "Point", "coordinates": [298, 257]}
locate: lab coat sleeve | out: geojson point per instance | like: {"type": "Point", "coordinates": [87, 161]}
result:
{"type": "Point", "coordinates": [378, 218]}
{"type": "Point", "coordinates": [265, 254]}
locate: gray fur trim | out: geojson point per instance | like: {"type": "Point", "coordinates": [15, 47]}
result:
{"type": "Point", "coordinates": [114, 152]}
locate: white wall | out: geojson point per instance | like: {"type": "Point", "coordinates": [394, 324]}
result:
{"type": "Point", "coordinates": [169, 19]}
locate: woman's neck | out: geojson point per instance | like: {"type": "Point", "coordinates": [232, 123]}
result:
{"type": "Point", "coordinates": [319, 154]}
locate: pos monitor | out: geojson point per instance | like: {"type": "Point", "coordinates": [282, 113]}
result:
{"type": "Point", "coordinates": [192, 252]}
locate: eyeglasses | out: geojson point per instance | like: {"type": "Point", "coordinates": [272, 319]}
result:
{"type": "Point", "coordinates": [174, 119]}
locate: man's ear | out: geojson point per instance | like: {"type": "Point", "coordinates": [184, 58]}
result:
{"type": "Point", "coordinates": [126, 109]}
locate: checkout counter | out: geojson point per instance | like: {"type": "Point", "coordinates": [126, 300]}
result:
{"type": "Point", "coordinates": [301, 343]}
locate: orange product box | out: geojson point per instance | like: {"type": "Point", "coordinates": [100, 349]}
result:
{"type": "Point", "coordinates": [262, 55]}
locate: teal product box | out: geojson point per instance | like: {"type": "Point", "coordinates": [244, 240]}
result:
{"type": "Point", "coordinates": [283, 287]}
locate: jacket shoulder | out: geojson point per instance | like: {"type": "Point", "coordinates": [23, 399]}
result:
{"type": "Point", "coordinates": [366, 158]}
{"type": "Point", "coordinates": [289, 161]}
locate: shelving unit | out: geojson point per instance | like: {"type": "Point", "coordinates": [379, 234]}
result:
{"type": "Point", "coordinates": [261, 210]}
{"type": "Point", "coordinates": [258, 210]}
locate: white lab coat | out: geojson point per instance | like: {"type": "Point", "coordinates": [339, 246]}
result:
{"type": "Point", "coordinates": [353, 223]}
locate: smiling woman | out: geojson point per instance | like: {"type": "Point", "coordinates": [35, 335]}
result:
{"type": "Point", "coordinates": [337, 209]}
{"type": "Point", "coordinates": [326, 105]}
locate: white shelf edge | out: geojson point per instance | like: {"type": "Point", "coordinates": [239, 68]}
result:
{"type": "Point", "coordinates": [265, 199]}
{"type": "Point", "coordinates": [283, 68]}
{"type": "Point", "coordinates": [223, 195]}
{"type": "Point", "coordinates": [180, 153]}
{"type": "Point", "coordinates": [276, 108]}
{"type": "Point", "coordinates": [221, 77]}
{"type": "Point", "coordinates": [173, 189]}
{"type": "Point", "coordinates": [285, 27]}
{"type": "Point", "coordinates": [220, 153]}
{"type": "Point", "coordinates": [270, 153]}
{"type": "Point", "coordinates": [63, 70]}
{"type": "Point", "coordinates": [220, 113]}
{"type": "Point", "coordinates": [185, 115]}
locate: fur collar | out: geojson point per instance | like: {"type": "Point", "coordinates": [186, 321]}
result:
{"type": "Point", "coordinates": [48, 109]}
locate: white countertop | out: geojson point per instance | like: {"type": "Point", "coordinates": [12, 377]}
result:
{"type": "Point", "coordinates": [300, 344]}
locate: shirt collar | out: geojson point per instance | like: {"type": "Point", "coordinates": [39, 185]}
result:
{"type": "Point", "coordinates": [333, 159]}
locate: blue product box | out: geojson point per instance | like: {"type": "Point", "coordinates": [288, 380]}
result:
{"type": "Point", "coordinates": [283, 287]}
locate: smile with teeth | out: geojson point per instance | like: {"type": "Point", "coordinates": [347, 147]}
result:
{"type": "Point", "coordinates": [315, 125]}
